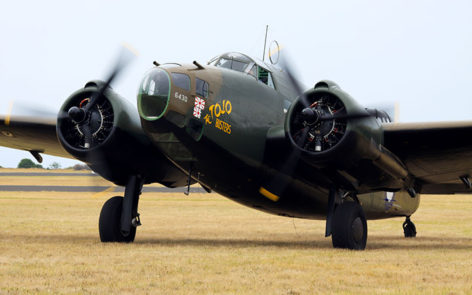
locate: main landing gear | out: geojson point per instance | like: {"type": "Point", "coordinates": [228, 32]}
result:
{"type": "Point", "coordinates": [119, 217]}
{"type": "Point", "coordinates": [346, 222]}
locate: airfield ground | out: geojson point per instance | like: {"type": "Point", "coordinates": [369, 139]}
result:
{"type": "Point", "coordinates": [207, 244]}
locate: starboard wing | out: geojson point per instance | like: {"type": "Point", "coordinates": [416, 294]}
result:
{"type": "Point", "coordinates": [437, 154]}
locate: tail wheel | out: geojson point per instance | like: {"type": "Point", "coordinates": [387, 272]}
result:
{"type": "Point", "coordinates": [349, 227]}
{"type": "Point", "coordinates": [109, 222]}
{"type": "Point", "coordinates": [409, 228]}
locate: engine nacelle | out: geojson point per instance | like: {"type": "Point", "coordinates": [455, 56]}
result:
{"type": "Point", "coordinates": [119, 147]}
{"type": "Point", "coordinates": [340, 133]}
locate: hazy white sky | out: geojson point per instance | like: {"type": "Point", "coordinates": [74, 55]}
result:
{"type": "Point", "coordinates": [416, 53]}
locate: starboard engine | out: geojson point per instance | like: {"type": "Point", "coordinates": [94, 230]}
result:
{"type": "Point", "coordinates": [108, 137]}
{"type": "Point", "coordinates": [332, 130]}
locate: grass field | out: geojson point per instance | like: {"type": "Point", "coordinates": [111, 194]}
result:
{"type": "Point", "coordinates": [206, 244]}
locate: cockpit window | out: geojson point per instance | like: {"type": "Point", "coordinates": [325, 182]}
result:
{"type": "Point", "coordinates": [265, 77]}
{"type": "Point", "coordinates": [233, 60]}
{"type": "Point", "coordinates": [181, 80]}
{"type": "Point", "coordinates": [242, 63]}
{"type": "Point", "coordinates": [253, 71]}
{"type": "Point", "coordinates": [232, 64]}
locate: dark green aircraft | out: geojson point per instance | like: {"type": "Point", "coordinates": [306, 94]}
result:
{"type": "Point", "coordinates": [245, 129]}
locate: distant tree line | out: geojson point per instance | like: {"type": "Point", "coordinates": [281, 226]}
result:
{"type": "Point", "coordinates": [79, 167]}
{"type": "Point", "coordinates": [27, 163]}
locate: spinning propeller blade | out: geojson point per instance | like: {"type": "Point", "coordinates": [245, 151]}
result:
{"type": "Point", "coordinates": [309, 115]}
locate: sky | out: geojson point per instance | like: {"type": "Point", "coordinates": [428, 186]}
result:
{"type": "Point", "coordinates": [417, 54]}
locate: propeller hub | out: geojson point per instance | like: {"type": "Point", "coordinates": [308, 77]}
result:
{"type": "Point", "coordinates": [77, 114]}
{"type": "Point", "coordinates": [310, 116]}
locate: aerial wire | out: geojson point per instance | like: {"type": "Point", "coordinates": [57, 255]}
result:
{"type": "Point", "coordinates": [265, 43]}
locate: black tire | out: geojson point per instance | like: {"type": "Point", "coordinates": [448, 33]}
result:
{"type": "Point", "coordinates": [349, 227]}
{"type": "Point", "coordinates": [109, 222]}
{"type": "Point", "coordinates": [409, 229]}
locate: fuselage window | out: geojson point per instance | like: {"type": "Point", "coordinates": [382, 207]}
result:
{"type": "Point", "coordinates": [201, 87]}
{"type": "Point", "coordinates": [181, 80]}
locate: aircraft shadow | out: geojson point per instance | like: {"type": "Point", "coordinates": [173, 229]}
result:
{"type": "Point", "coordinates": [238, 243]}
{"type": "Point", "coordinates": [385, 243]}
{"type": "Point", "coordinates": [420, 243]}
{"type": "Point", "coordinates": [390, 243]}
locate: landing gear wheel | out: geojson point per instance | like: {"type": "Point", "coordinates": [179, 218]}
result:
{"type": "Point", "coordinates": [409, 228]}
{"type": "Point", "coordinates": [109, 222]}
{"type": "Point", "coordinates": [349, 227]}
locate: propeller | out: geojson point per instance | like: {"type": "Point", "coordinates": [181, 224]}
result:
{"type": "Point", "coordinates": [83, 115]}
{"type": "Point", "coordinates": [323, 115]}
{"type": "Point", "coordinates": [21, 108]}
{"type": "Point", "coordinates": [86, 118]}
{"type": "Point", "coordinates": [274, 189]}
{"type": "Point", "coordinates": [90, 118]}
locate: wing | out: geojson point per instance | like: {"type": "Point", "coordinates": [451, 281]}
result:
{"type": "Point", "coordinates": [438, 154]}
{"type": "Point", "coordinates": [31, 134]}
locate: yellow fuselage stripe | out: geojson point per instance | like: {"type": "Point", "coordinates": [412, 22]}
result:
{"type": "Point", "coordinates": [268, 194]}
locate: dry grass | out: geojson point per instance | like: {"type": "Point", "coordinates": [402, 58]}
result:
{"type": "Point", "coordinates": [207, 244]}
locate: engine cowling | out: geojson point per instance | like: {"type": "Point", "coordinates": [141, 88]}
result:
{"type": "Point", "coordinates": [334, 132]}
{"type": "Point", "coordinates": [314, 135]}
{"type": "Point", "coordinates": [119, 146]}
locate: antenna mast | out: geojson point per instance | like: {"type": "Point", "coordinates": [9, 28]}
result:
{"type": "Point", "coordinates": [265, 43]}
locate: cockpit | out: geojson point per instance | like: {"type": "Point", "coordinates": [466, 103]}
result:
{"type": "Point", "coordinates": [242, 63]}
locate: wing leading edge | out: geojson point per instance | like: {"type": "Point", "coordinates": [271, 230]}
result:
{"type": "Point", "coordinates": [437, 154]}
{"type": "Point", "coordinates": [31, 134]}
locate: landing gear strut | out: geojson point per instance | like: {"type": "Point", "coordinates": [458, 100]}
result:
{"type": "Point", "coordinates": [409, 228]}
{"type": "Point", "coordinates": [346, 222]}
{"type": "Point", "coordinates": [119, 216]}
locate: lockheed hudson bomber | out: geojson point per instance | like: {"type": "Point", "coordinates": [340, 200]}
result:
{"type": "Point", "coordinates": [245, 129]}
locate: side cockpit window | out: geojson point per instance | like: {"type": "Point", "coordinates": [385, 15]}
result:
{"type": "Point", "coordinates": [181, 80]}
{"type": "Point", "coordinates": [201, 87]}
{"type": "Point", "coordinates": [253, 71]}
{"type": "Point", "coordinates": [265, 77]}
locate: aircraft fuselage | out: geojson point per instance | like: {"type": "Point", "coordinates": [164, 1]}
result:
{"type": "Point", "coordinates": [219, 136]}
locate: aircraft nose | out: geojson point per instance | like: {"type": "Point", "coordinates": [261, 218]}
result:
{"type": "Point", "coordinates": [166, 111]}
{"type": "Point", "coordinates": [154, 94]}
